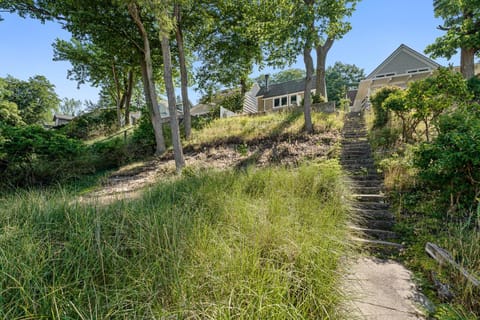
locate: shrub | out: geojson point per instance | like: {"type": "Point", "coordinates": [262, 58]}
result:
{"type": "Point", "coordinates": [473, 85]}
{"type": "Point", "coordinates": [233, 102]}
{"type": "Point", "coordinates": [451, 163]}
{"type": "Point", "coordinates": [92, 124]}
{"type": "Point", "coordinates": [143, 139]}
{"type": "Point", "coordinates": [109, 153]}
{"type": "Point", "coordinates": [32, 155]}
{"type": "Point", "coordinates": [381, 114]}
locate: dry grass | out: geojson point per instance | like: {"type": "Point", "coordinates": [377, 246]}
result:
{"type": "Point", "coordinates": [248, 128]}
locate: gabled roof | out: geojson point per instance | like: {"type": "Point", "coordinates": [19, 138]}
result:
{"type": "Point", "coordinates": [402, 60]}
{"type": "Point", "coordinates": [280, 89]}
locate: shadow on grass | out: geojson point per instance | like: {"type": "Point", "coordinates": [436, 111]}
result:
{"type": "Point", "coordinates": [289, 120]}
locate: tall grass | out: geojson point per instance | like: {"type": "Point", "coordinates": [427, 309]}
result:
{"type": "Point", "coordinates": [247, 128]}
{"type": "Point", "coordinates": [254, 244]}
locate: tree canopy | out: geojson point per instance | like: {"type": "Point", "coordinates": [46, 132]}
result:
{"type": "Point", "coordinates": [35, 98]}
{"type": "Point", "coordinates": [461, 23]}
{"type": "Point", "coordinates": [281, 76]}
{"type": "Point", "coordinates": [340, 77]}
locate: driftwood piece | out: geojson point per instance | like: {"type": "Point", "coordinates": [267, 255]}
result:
{"type": "Point", "coordinates": [444, 257]}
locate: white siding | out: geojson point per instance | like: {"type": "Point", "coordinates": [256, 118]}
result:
{"type": "Point", "coordinates": [250, 102]}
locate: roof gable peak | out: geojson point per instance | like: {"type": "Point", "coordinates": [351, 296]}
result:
{"type": "Point", "coordinates": [401, 61]}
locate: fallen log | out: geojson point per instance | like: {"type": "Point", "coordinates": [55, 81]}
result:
{"type": "Point", "coordinates": [444, 257]}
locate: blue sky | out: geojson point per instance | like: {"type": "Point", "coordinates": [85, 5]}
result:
{"type": "Point", "coordinates": [378, 28]}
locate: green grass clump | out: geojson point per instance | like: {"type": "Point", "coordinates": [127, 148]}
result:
{"type": "Point", "coordinates": [254, 244]}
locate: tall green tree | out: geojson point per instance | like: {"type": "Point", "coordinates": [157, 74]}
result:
{"type": "Point", "coordinates": [281, 76]}
{"type": "Point", "coordinates": [306, 25]}
{"type": "Point", "coordinates": [35, 98]}
{"type": "Point", "coordinates": [340, 77]}
{"type": "Point", "coordinates": [461, 23]}
{"type": "Point", "coordinates": [228, 41]}
{"type": "Point", "coordinates": [110, 26]}
{"type": "Point", "coordinates": [163, 11]}
{"type": "Point", "coordinates": [113, 72]}
{"type": "Point", "coordinates": [179, 13]}
{"type": "Point", "coordinates": [148, 77]}
{"type": "Point", "coordinates": [9, 114]}
{"type": "Point", "coordinates": [331, 24]}
{"type": "Point", "coordinates": [70, 106]}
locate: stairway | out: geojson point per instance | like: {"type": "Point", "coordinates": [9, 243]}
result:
{"type": "Point", "coordinates": [373, 220]}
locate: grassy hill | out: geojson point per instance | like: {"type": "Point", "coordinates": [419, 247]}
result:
{"type": "Point", "coordinates": [257, 241]}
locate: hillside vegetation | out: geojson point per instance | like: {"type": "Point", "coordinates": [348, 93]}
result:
{"type": "Point", "coordinates": [426, 142]}
{"type": "Point", "coordinates": [250, 243]}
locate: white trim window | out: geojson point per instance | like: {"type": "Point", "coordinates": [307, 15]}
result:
{"type": "Point", "coordinates": [293, 99]}
{"type": "Point", "coordinates": [280, 102]}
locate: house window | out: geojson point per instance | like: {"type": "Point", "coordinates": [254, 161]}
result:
{"type": "Point", "coordinates": [417, 70]}
{"type": "Point", "coordinates": [280, 102]}
{"type": "Point", "coordinates": [293, 99]}
{"type": "Point", "coordinates": [385, 75]}
{"type": "Point", "coordinates": [276, 102]}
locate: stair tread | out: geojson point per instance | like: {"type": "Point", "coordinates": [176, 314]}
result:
{"type": "Point", "coordinates": [378, 242]}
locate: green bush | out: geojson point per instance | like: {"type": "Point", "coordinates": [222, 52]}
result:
{"type": "Point", "coordinates": [96, 123]}
{"type": "Point", "coordinates": [473, 85]}
{"type": "Point", "coordinates": [381, 114]}
{"type": "Point", "coordinates": [110, 153]}
{"type": "Point", "coordinates": [32, 155]}
{"type": "Point", "coordinates": [451, 163]}
{"type": "Point", "coordinates": [233, 102]}
{"type": "Point", "coordinates": [143, 142]}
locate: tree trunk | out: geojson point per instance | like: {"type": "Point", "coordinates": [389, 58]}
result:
{"type": "Point", "coordinates": [243, 86]}
{"type": "Point", "coordinates": [307, 99]}
{"type": "Point", "coordinates": [153, 110]}
{"type": "Point", "coordinates": [148, 82]}
{"type": "Point", "coordinates": [118, 95]}
{"type": "Point", "coordinates": [128, 97]}
{"type": "Point", "coordinates": [427, 130]}
{"type": "Point", "coordinates": [467, 62]}
{"type": "Point", "coordinates": [187, 120]}
{"type": "Point", "coordinates": [322, 51]}
{"type": "Point", "coordinates": [172, 106]}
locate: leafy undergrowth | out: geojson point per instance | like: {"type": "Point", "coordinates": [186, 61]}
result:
{"type": "Point", "coordinates": [255, 243]}
{"type": "Point", "coordinates": [424, 214]}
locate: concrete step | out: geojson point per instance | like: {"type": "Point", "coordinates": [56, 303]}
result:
{"type": "Point", "coordinates": [366, 154]}
{"type": "Point", "coordinates": [377, 224]}
{"type": "Point", "coordinates": [370, 205]}
{"type": "Point", "coordinates": [377, 214]}
{"type": "Point", "coordinates": [350, 144]}
{"type": "Point", "coordinates": [354, 135]}
{"type": "Point", "coordinates": [366, 184]}
{"type": "Point", "coordinates": [357, 150]}
{"type": "Point", "coordinates": [359, 165]}
{"type": "Point", "coordinates": [365, 177]}
{"type": "Point", "coordinates": [377, 243]}
{"type": "Point", "coordinates": [373, 233]}
{"type": "Point", "coordinates": [360, 172]}
{"type": "Point", "coordinates": [379, 198]}
{"type": "Point", "coordinates": [366, 190]}
{"type": "Point", "coordinates": [365, 160]}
